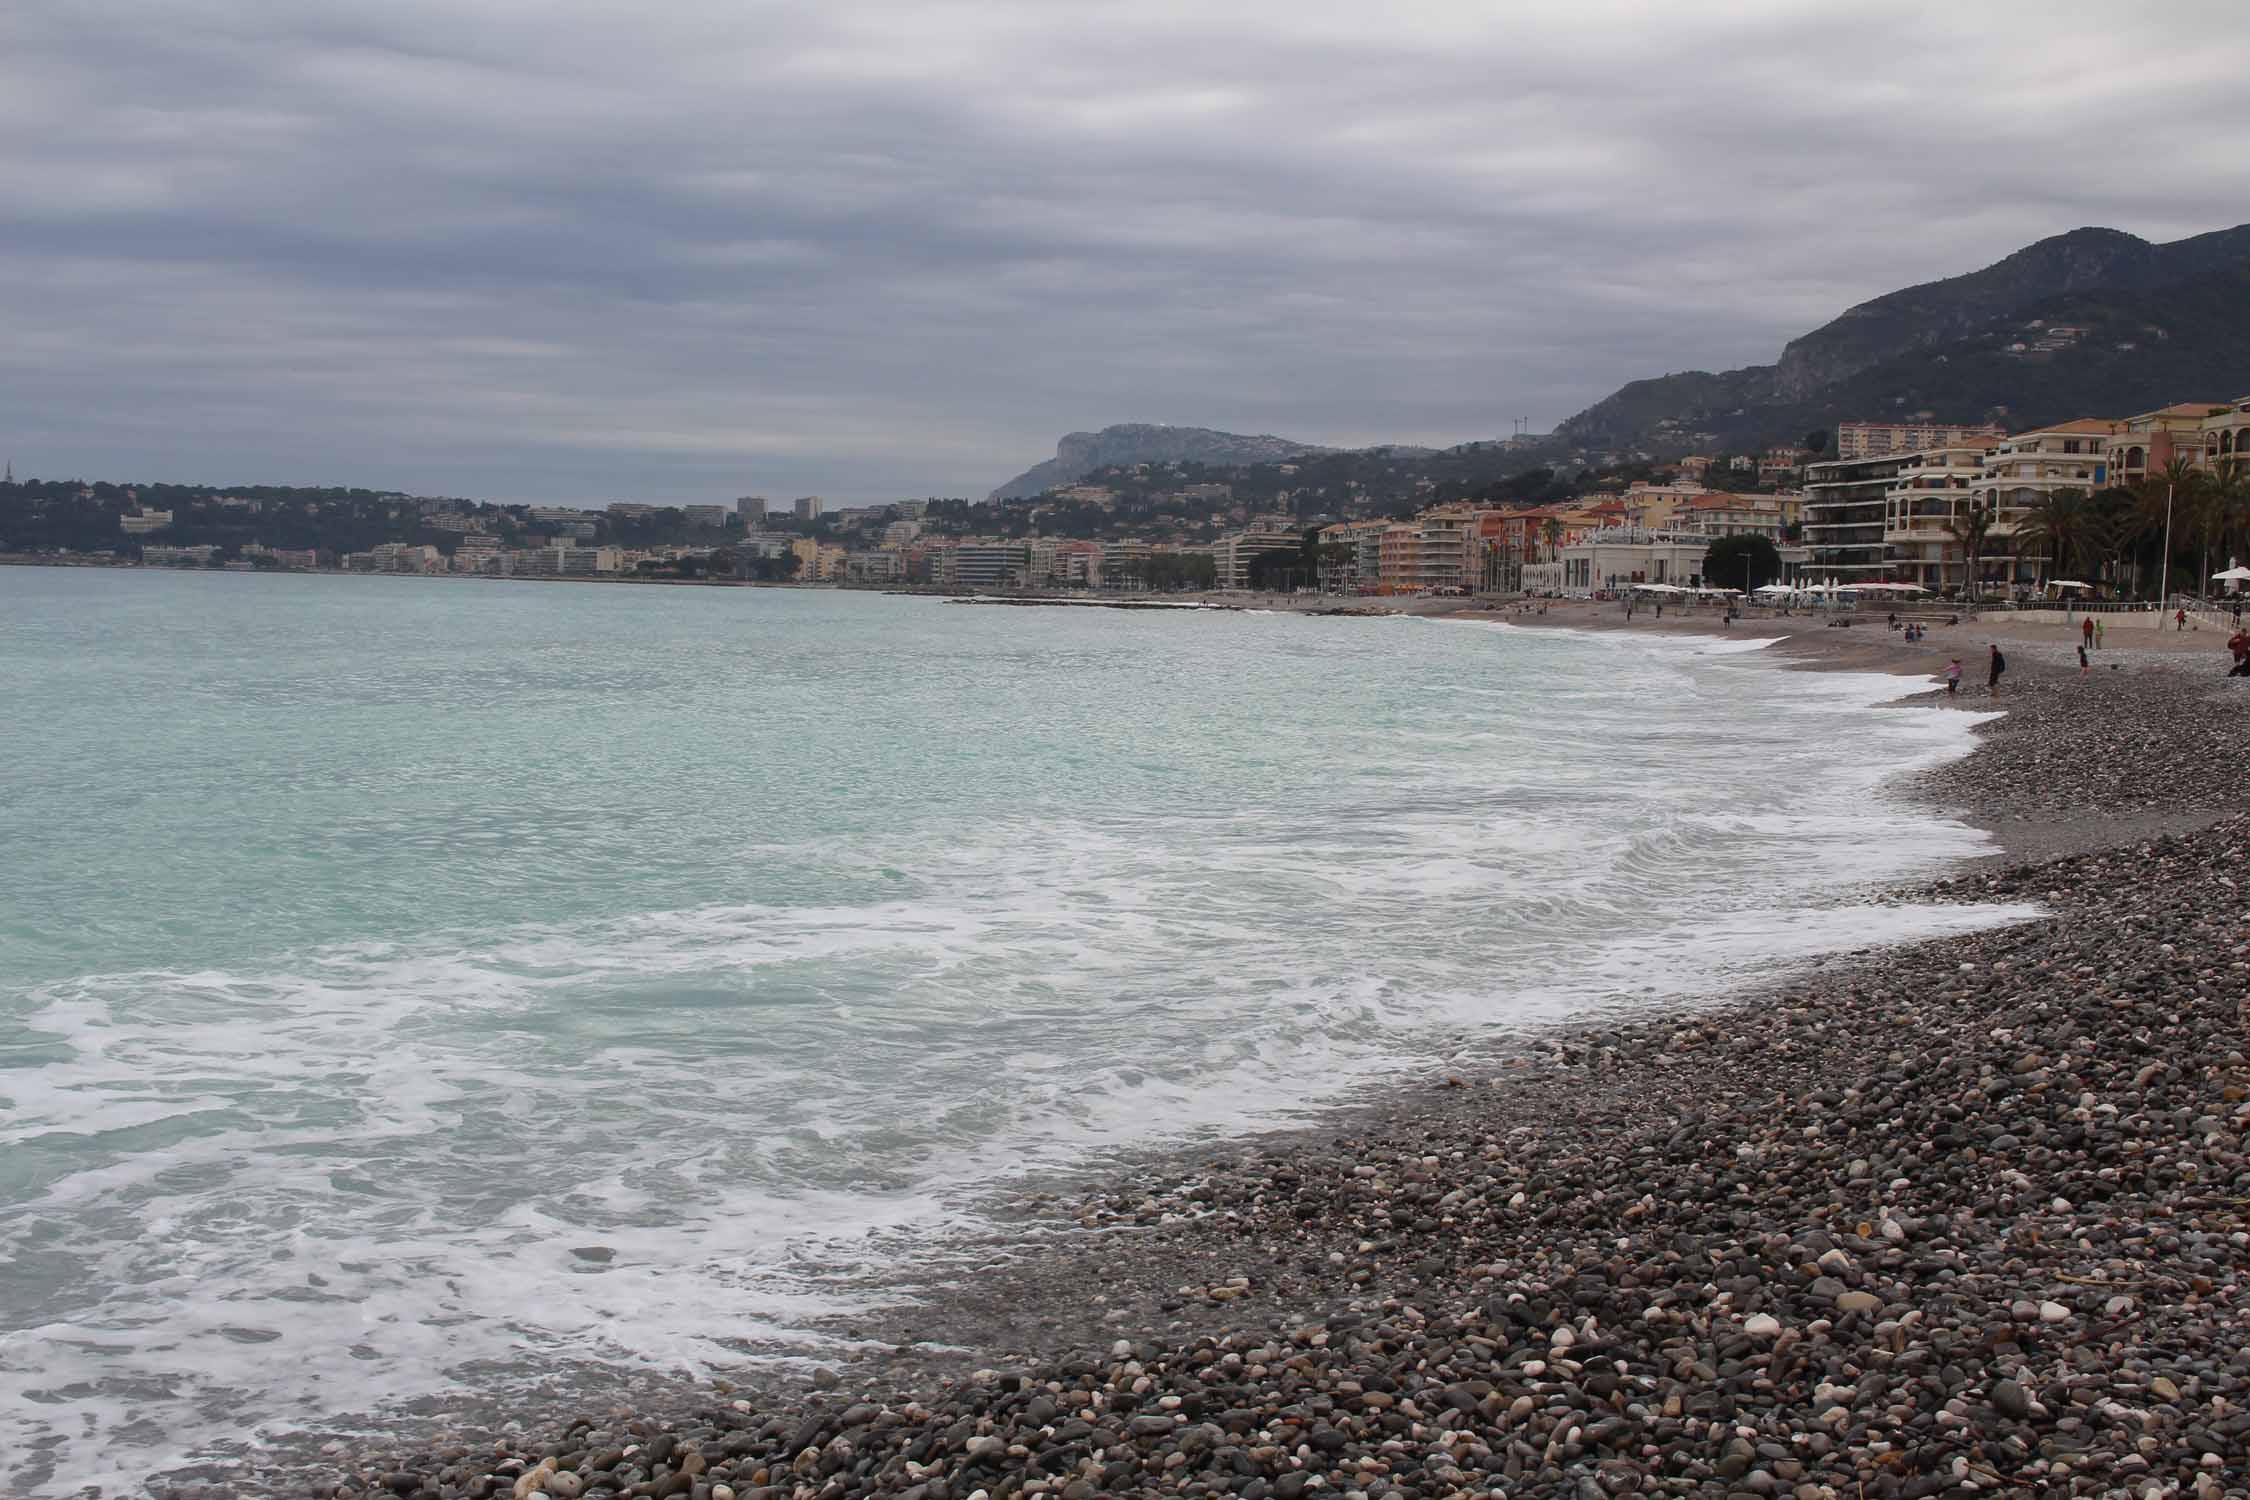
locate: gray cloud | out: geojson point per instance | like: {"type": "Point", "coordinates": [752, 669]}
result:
{"type": "Point", "coordinates": [582, 251]}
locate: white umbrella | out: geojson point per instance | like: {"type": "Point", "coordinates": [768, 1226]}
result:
{"type": "Point", "coordinates": [2232, 575]}
{"type": "Point", "coordinates": [1776, 588]}
{"type": "Point", "coordinates": [2065, 583]}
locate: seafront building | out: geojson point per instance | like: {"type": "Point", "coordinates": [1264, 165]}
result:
{"type": "Point", "coordinates": [1845, 504]}
{"type": "Point", "coordinates": [2226, 435]}
{"type": "Point", "coordinates": [1626, 555]}
{"type": "Point", "coordinates": [1232, 555]}
{"type": "Point", "coordinates": [2200, 433]}
{"type": "Point", "coordinates": [990, 565]}
{"type": "Point", "coordinates": [2031, 468]}
{"type": "Point", "coordinates": [1428, 554]}
{"type": "Point", "coordinates": [1923, 512]}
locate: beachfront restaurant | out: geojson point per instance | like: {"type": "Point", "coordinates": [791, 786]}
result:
{"type": "Point", "coordinates": [1620, 556]}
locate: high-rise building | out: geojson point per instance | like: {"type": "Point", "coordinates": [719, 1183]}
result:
{"type": "Point", "coordinates": [808, 507]}
{"type": "Point", "coordinates": [1876, 439]}
{"type": "Point", "coordinates": [752, 509]}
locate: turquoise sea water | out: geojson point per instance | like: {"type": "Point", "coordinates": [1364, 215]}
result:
{"type": "Point", "coordinates": [367, 945]}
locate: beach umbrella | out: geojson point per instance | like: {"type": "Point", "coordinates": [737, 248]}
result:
{"type": "Point", "coordinates": [2232, 575]}
{"type": "Point", "coordinates": [2066, 583]}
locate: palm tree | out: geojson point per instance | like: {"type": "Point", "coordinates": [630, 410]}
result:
{"type": "Point", "coordinates": [2227, 493]}
{"type": "Point", "coordinates": [2114, 526]}
{"type": "Point", "coordinates": [1971, 527]}
{"type": "Point", "coordinates": [2215, 512]}
{"type": "Point", "coordinates": [2054, 526]}
{"type": "Point", "coordinates": [2168, 496]}
{"type": "Point", "coordinates": [1551, 530]}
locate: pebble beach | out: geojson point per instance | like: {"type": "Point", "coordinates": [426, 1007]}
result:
{"type": "Point", "coordinates": [1970, 1216]}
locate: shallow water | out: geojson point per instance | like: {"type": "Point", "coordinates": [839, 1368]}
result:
{"type": "Point", "coordinates": [370, 947]}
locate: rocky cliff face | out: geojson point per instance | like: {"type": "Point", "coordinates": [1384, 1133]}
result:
{"type": "Point", "coordinates": [1080, 453]}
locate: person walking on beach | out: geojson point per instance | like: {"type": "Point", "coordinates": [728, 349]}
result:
{"type": "Point", "coordinates": [2239, 645]}
{"type": "Point", "coordinates": [2098, 633]}
{"type": "Point", "coordinates": [2083, 669]}
{"type": "Point", "coordinates": [1999, 665]}
{"type": "Point", "coordinates": [2086, 632]}
{"type": "Point", "coordinates": [2179, 620]}
{"type": "Point", "coordinates": [1953, 678]}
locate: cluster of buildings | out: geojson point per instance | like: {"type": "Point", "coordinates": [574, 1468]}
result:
{"type": "Point", "coordinates": [1888, 508]}
{"type": "Point", "coordinates": [1892, 507]}
{"type": "Point", "coordinates": [1651, 533]}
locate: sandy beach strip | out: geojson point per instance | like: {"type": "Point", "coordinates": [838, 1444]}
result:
{"type": "Point", "coordinates": [1968, 1216]}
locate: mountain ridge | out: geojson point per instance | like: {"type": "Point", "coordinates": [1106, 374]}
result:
{"type": "Point", "coordinates": [1925, 320]}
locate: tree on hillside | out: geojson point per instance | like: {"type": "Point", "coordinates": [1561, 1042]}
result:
{"type": "Point", "coordinates": [1816, 441]}
{"type": "Point", "coordinates": [1742, 562]}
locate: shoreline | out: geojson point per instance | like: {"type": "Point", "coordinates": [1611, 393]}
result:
{"type": "Point", "coordinates": [1468, 1220]}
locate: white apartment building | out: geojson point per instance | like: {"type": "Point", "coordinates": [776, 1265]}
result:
{"type": "Point", "coordinates": [173, 557]}
{"type": "Point", "coordinates": [1878, 439]}
{"type": "Point", "coordinates": [712, 516]}
{"type": "Point", "coordinates": [2022, 470]}
{"type": "Point", "coordinates": [1123, 563]}
{"type": "Point", "coordinates": [142, 522]}
{"type": "Point", "coordinates": [1719, 514]}
{"type": "Point", "coordinates": [565, 561]}
{"type": "Point", "coordinates": [1620, 556]}
{"type": "Point", "coordinates": [1924, 501]}
{"type": "Point", "coordinates": [990, 565]}
{"type": "Point", "coordinates": [808, 507]}
{"type": "Point", "coordinates": [1363, 567]}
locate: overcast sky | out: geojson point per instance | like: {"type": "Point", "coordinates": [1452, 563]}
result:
{"type": "Point", "coordinates": [689, 250]}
